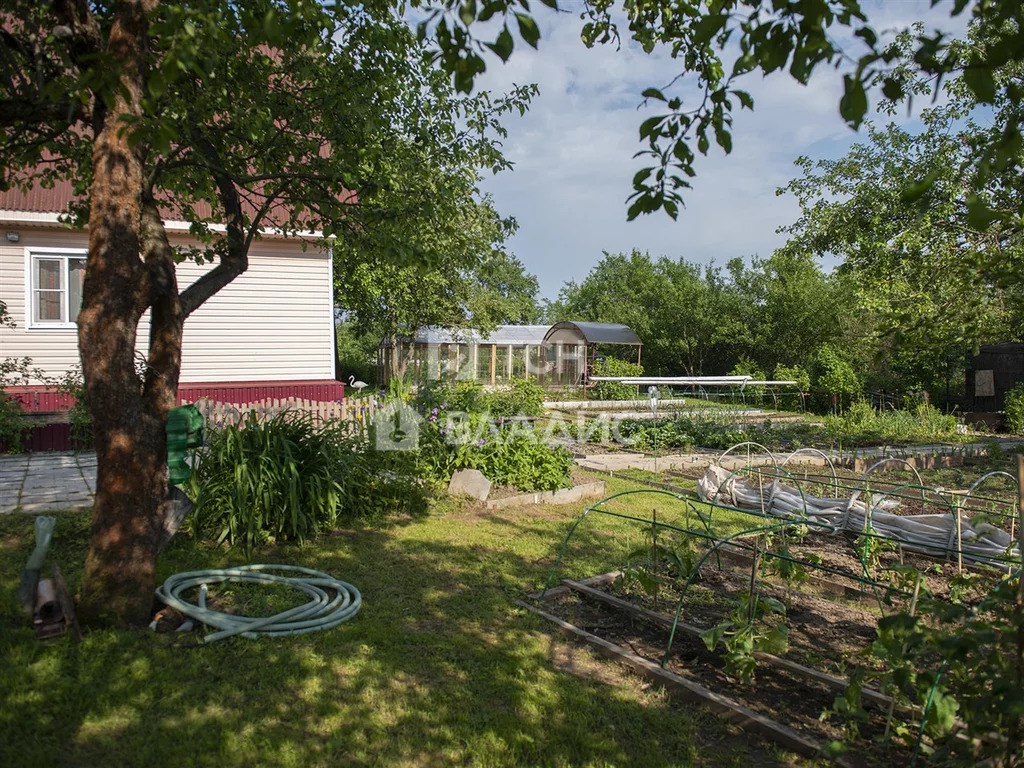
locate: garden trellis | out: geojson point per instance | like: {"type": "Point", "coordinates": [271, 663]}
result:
{"type": "Point", "coordinates": [773, 531]}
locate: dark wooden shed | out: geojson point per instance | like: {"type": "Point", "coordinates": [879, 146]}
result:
{"type": "Point", "coordinates": [993, 372]}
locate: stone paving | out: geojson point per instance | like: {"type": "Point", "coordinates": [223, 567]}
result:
{"type": "Point", "coordinates": [40, 482]}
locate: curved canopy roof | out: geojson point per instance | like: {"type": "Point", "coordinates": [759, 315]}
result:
{"type": "Point", "coordinates": [596, 333]}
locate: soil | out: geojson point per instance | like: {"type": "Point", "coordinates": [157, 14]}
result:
{"type": "Point", "coordinates": [822, 632]}
{"type": "Point", "coordinates": [786, 697]}
{"type": "Point", "coordinates": [831, 618]}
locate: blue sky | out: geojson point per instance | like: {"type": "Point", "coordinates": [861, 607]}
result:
{"type": "Point", "coordinates": [574, 151]}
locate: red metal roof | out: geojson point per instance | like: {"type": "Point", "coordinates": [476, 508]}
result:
{"type": "Point", "coordinates": [38, 199]}
{"type": "Point", "coordinates": [56, 199]}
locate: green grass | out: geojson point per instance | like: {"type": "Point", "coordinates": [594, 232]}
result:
{"type": "Point", "coordinates": [439, 668]}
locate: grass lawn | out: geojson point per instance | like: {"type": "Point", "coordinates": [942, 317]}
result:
{"type": "Point", "coordinates": [439, 668]}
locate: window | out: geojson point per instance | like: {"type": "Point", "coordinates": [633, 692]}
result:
{"type": "Point", "coordinates": [56, 280]}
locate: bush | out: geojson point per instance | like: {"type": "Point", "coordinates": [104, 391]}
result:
{"type": "Point", "coordinates": [284, 479]}
{"type": "Point", "coordinates": [510, 455]}
{"type": "Point", "coordinates": [266, 480]}
{"type": "Point", "coordinates": [862, 423]}
{"type": "Point", "coordinates": [522, 398]}
{"type": "Point", "coordinates": [1014, 409]}
{"type": "Point", "coordinates": [835, 376]}
{"type": "Point", "coordinates": [612, 390]}
{"type": "Point", "coordinates": [13, 423]}
{"type": "Point", "coordinates": [463, 396]}
{"type": "Point", "coordinates": [73, 385]}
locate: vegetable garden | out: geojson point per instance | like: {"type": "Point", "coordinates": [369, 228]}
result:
{"type": "Point", "coordinates": [877, 619]}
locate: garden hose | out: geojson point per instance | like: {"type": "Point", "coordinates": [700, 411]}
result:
{"type": "Point", "coordinates": [322, 611]}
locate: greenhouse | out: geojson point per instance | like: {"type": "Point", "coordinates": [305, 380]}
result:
{"type": "Point", "coordinates": [559, 355]}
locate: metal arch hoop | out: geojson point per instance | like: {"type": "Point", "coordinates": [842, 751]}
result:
{"type": "Point", "coordinates": [748, 443]}
{"type": "Point", "coordinates": [828, 461]}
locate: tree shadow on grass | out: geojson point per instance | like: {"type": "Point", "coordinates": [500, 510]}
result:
{"type": "Point", "coordinates": [438, 668]}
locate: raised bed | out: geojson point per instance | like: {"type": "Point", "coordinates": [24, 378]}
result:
{"type": "Point", "coordinates": [832, 606]}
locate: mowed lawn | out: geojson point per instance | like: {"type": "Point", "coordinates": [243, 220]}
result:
{"type": "Point", "coordinates": [439, 668]}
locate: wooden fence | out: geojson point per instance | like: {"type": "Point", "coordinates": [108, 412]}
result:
{"type": "Point", "coordinates": [355, 410]}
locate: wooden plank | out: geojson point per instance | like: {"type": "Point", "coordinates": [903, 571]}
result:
{"type": "Point", "coordinates": [590, 581]}
{"type": "Point", "coordinates": [732, 710]}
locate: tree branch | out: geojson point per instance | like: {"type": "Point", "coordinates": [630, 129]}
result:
{"type": "Point", "coordinates": [236, 260]}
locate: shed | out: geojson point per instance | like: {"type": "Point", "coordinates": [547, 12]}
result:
{"type": "Point", "coordinates": [994, 371]}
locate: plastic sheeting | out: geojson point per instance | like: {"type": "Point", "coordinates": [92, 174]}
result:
{"type": "Point", "coordinates": [931, 534]}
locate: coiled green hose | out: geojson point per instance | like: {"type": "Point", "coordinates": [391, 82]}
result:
{"type": "Point", "coordinates": [323, 610]}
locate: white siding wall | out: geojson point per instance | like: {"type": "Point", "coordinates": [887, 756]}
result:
{"type": "Point", "coordinates": [273, 323]}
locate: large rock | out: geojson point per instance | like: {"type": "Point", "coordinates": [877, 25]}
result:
{"type": "Point", "coordinates": [470, 482]}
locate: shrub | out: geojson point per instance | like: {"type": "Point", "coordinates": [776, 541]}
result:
{"type": "Point", "coordinates": [13, 423]}
{"type": "Point", "coordinates": [510, 455]}
{"type": "Point", "coordinates": [835, 375]}
{"type": "Point", "coordinates": [285, 479]}
{"type": "Point", "coordinates": [612, 390]}
{"type": "Point", "coordinates": [463, 396]}
{"type": "Point", "coordinates": [862, 423]}
{"type": "Point", "coordinates": [522, 398]}
{"type": "Point", "coordinates": [73, 385]}
{"type": "Point", "coordinates": [1014, 409]}
{"type": "Point", "coordinates": [273, 479]}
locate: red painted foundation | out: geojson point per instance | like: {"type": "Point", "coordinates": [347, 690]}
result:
{"type": "Point", "coordinates": [57, 437]}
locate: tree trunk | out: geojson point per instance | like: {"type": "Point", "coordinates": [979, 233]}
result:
{"type": "Point", "coordinates": [129, 428]}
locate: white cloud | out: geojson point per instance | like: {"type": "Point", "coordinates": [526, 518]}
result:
{"type": "Point", "coordinates": [573, 152]}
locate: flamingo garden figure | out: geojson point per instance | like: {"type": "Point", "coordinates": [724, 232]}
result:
{"type": "Point", "coordinates": [358, 386]}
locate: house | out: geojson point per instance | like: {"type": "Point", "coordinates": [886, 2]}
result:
{"type": "Point", "coordinates": [559, 355]}
{"type": "Point", "coordinates": [269, 333]}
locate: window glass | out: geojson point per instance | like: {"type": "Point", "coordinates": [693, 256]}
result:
{"type": "Point", "coordinates": [49, 297]}
{"type": "Point", "coordinates": [483, 363]}
{"type": "Point", "coordinates": [76, 274]}
{"type": "Point", "coordinates": [519, 362]}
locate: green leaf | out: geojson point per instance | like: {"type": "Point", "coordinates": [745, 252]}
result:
{"type": "Point", "coordinates": [892, 89]}
{"type": "Point", "coordinates": [711, 637]}
{"type": "Point", "coordinates": [724, 139]}
{"type": "Point", "coordinates": [745, 99]}
{"type": "Point", "coordinates": [979, 215]}
{"type": "Point", "coordinates": [503, 44]}
{"type": "Point", "coordinates": [653, 93]}
{"type": "Point", "coordinates": [980, 80]}
{"type": "Point", "coordinates": [648, 126]}
{"type": "Point", "coordinates": [776, 641]}
{"type": "Point", "coordinates": [854, 103]}
{"type": "Point", "coordinates": [528, 29]}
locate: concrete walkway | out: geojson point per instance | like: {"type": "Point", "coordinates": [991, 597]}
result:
{"type": "Point", "coordinates": [41, 482]}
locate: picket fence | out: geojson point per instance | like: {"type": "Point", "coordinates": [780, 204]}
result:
{"type": "Point", "coordinates": [355, 410]}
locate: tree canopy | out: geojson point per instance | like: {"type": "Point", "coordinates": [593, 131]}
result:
{"type": "Point", "coordinates": [716, 45]}
{"type": "Point", "coordinates": [239, 118]}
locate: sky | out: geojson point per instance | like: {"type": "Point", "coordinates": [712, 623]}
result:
{"type": "Point", "coordinates": [573, 151]}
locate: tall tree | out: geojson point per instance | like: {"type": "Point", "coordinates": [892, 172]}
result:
{"type": "Point", "coordinates": [465, 278]}
{"type": "Point", "coordinates": [282, 113]}
{"type": "Point", "coordinates": [934, 281]}
{"type": "Point", "coordinates": [685, 314]}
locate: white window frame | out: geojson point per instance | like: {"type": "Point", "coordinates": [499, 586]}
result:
{"type": "Point", "coordinates": [32, 255]}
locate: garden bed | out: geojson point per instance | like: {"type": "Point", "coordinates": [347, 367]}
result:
{"type": "Point", "coordinates": [831, 614]}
